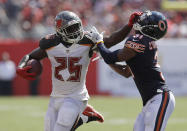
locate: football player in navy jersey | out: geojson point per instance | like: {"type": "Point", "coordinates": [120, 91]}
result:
{"type": "Point", "coordinates": [140, 53]}
{"type": "Point", "coordinates": [69, 51]}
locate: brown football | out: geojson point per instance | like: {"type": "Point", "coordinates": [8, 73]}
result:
{"type": "Point", "coordinates": [36, 66]}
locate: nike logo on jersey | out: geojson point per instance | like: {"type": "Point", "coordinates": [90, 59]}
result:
{"type": "Point", "coordinates": [67, 51]}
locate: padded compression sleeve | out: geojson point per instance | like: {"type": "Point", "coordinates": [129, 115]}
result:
{"type": "Point", "coordinates": [108, 56]}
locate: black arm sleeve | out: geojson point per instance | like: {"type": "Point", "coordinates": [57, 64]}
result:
{"type": "Point", "coordinates": [108, 56]}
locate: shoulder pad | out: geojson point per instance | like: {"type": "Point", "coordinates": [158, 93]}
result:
{"type": "Point", "coordinates": [136, 44]}
{"type": "Point", "coordinates": [86, 40]}
{"type": "Point", "coordinates": [49, 41]}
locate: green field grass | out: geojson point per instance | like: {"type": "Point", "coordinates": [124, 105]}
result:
{"type": "Point", "coordinates": [27, 114]}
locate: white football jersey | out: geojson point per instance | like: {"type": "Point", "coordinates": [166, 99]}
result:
{"type": "Point", "coordinates": [69, 68]}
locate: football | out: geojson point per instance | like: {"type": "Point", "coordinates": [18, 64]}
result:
{"type": "Point", "coordinates": [36, 66]}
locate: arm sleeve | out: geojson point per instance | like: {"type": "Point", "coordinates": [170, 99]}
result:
{"type": "Point", "coordinates": [108, 56]}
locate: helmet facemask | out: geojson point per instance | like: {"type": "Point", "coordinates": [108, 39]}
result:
{"type": "Point", "coordinates": [150, 25]}
{"type": "Point", "coordinates": [71, 32]}
{"type": "Point", "coordinates": [143, 29]}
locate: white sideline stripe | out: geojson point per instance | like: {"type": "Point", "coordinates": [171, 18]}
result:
{"type": "Point", "coordinates": [17, 107]}
{"type": "Point", "coordinates": [34, 111]}
{"type": "Point", "coordinates": [119, 121]}
{"type": "Point", "coordinates": [38, 112]}
{"type": "Point", "coordinates": [122, 121]}
{"type": "Point", "coordinates": [177, 120]}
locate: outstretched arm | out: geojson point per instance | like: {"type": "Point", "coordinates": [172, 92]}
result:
{"type": "Point", "coordinates": [111, 57]}
{"type": "Point", "coordinates": [119, 35]}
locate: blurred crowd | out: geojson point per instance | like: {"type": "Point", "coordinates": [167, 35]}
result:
{"type": "Point", "coordinates": [32, 19]}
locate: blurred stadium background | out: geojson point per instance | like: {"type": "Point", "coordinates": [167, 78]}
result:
{"type": "Point", "coordinates": [24, 22]}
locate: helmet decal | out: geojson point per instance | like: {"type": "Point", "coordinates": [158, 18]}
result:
{"type": "Point", "coordinates": [162, 25]}
{"type": "Point", "coordinates": [69, 26]}
{"type": "Point", "coordinates": [152, 24]}
{"type": "Point", "coordinates": [58, 23]}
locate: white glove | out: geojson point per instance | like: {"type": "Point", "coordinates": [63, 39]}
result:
{"type": "Point", "coordinates": [96, 37]}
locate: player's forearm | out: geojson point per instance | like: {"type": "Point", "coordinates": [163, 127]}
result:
{"type": "Point", "coordinates": [117, 36]}
{"type": "Point", "coordinates": [37, 54]}
{"type": "Point", "coordinates": [121, 69]}
{"type": "Point", "coordinates": [108, 56]}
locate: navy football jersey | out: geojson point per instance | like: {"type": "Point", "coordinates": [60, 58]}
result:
{"type": "Point", "coordinates": [144, 66]}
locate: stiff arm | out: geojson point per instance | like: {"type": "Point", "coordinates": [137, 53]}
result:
{"type": "Point", "coordinates": [117, 36]}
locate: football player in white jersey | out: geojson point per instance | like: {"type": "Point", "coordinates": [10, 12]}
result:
{"type": "Point", "coordinates": [69, 51]}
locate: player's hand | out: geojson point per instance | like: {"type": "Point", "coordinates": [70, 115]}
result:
{"type": "Point", "coordinates": [133, 18]}
{"type": "Point", "coordinates": [24, 72]}
{"type": "Point", "coordinates": [96, 36]}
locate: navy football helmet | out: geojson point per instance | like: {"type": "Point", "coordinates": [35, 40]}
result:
{"type": "Point", "coordinates": [69, 26]}
{"type": "Point", "coordinates": [152, 24]}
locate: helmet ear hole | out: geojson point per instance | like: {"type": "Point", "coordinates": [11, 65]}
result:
{"type": "Point", "coordinates": [162, 25]}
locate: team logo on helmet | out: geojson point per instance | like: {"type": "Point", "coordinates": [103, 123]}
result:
{"type": "Point", "coordinates": [162, 25]}
{"type": "Point", "coordinates": [58, 23]}
{"type": "Point", "coordinates": [69, 26]}
{"type": "Point", "coordinates": [152, 24]}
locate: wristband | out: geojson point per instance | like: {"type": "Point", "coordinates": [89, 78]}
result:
{"type": "Point", "coordinates": [100, 42]}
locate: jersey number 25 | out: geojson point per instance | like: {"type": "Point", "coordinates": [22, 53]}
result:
{"type": "Point", "coordinates": [73, 68]}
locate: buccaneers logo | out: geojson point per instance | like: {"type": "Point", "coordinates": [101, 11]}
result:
{"type": "Point", "coordinates": [58, 23]}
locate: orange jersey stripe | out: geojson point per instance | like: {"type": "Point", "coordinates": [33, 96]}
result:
{"type": "Point", "coordinates": [135, 46]}
{"type": "Point", "coordinates": [162, 112]}
{"type": "Point", "coordinates": [86, 44]}
{"type": "Point", "coordinates": [50, 48]}
{"type": "Point", "coordinates": [76, 121]}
